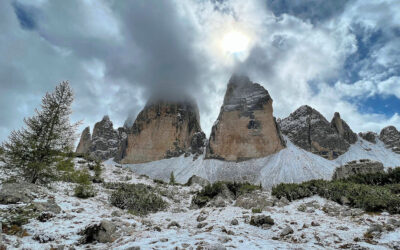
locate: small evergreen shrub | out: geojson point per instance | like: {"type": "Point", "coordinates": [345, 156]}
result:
{"type": "Point", "coordinates": [139, 199]}
{"type": "Point", "coordinates": [212, 190]}
{"type": "Point", "coordinates": [256, 210]}
{"type": "Point", "coordinates": [172, 179]}
{"type": "Point", "coordinates": [371, 192]}
{"type": "Point", "coordinates": [65, 165]}
{"type": "Point", "coordinates": [84, 189]}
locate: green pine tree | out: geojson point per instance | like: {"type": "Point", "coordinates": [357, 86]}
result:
{"type": "Point", "coordinates": [172, 179]}
{"type": "Point", "coordinates": [33, 150]}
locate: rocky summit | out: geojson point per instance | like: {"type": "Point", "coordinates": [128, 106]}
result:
{"type": "Point", "coordinates": [309, 130]}
{"type": "Point", "coordinates": [245, 127]}
{"type": "Point", "coordinates": [162, 130]}
{"type": "Point", "coordinates": [391, 137]}
{"type": "Point", "coordinates": [104, 142]}
{"type": "Point", "coordinates": [343, 129]}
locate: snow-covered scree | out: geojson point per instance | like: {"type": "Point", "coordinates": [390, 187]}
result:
{"type": "Point", "coordinates": [290, 165]}
{"type": "Point", "coordinates": [312, 223]}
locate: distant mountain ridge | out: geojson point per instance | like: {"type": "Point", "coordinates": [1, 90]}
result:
{"type": "Point", "coordinates": [246, 141]}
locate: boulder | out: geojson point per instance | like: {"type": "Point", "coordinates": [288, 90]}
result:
{"type": "Point", "coordinates": [163, 129]}
{"type": "Point", "coordinates": [391, 138]}
{"type": "Point", "coordinates": [261, 221]}
{"type": "Point", "coordinates": [245, 127]}
{"type": "Point", "coordinates": [197, 180]}
{"type": "Point", "coordinates": [286, 231]}
{"type": "Point", "coordinates": [254, 200]}
{"type": "Point", "coordinates": [357, 167]}
{"type": "Point", "coordinates": [84, 142]}
{"type": "Point", "coordinates": [12, 193]}
{"type": "Point", "coordinates": [103, 232]}
{"type": "Point", "coordinates": [309, 130]}
{"type": "Point", "coordinates": [369, 136]}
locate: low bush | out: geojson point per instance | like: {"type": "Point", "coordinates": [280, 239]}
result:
{"type": "Point", "coordinates": [65, 165]}
{"type": "Point", "coordinates": [139, 199]}
{"type": "Point", "coordinates": [84, 191]}
{"type": "Point", "coordinates": [256, 210]}
{"type": "Point", "coordinates": [376, 179]}
{"type": "Point", "coordinates": [292, 191]}
{"type": "Point", "coordinates": [371, 198]}
{"type": "Point", "coordinates": [210, 191]}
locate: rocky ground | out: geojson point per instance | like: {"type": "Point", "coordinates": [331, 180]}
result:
{"type": "Point", "coordinates": [58, 220]}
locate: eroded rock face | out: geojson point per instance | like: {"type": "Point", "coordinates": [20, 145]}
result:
{"type": "Point", "coordinates": [391, 137]}
{"type": "Point", "coordinates": [245, 127]}
{"type": "Point", "coordinates": [105, 141]}
{"type": "Point", "coordinates": [369, 136]}
{"type": "Point", "coordinates": [343, 129]}
{"type": "Point", "coordinates": [163, 130]}
{"type": "Point", "coordinates": [84, 142]}
{"type": "Point", "coordinates": [357, 167]}
{"type": "Point", "coordinates": [309, 130]}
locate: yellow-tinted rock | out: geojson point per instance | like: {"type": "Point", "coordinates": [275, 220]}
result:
{"type": "Point", "coordinates": [245, 128]}
{"type": "Point", "coordinates": [162, 130]}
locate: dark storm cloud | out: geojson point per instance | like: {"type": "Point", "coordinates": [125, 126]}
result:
{"type": "Point", "coordinates": [149, 53]}
{"type": "Point", "coordinates": [166, 61]}
{"type": "Point", "coordinates": [116, 54]}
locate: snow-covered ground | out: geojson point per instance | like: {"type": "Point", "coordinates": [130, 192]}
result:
{"type": "Point", "coordinates": [363, 149]}
{"type": "Point", "coordinates": [151, 232]}
{"type": "Point", "coordinates": [290, 165]}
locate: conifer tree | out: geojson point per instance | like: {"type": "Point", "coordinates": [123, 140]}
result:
{"type": "Point", "coordinates": [33, 150]}
{"type": "Point", "coordinates": [172, 179]}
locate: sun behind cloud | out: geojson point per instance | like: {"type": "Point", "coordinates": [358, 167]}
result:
{"type": "Point", "coordinates": [235, 42]}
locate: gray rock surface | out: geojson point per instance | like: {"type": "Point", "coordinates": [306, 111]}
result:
{"type": "Point", "coordinates": [261, 221]}
{"type": "Point", "coordinates": [103, 232]}
{"type": "Point", "coordinates": [105, 141]}
{"type": "Point", "coordinates": [369, 136]}
{"type": "Point", "coordinates": [309, 130]}
{"type": "Point", "coordinates": [343, 129]}
{"type": "Point", "coordinates": [391, 137]}
{"type": "Point", "coordinates": [84, 142]}
{"type": "Point", "coordinates": [357, 167]}
{"type": "Point", "coordinates": [12, 193]}
{"type": "Point", "coordinates": [286, 231]}
{"type": "Point", "coordinates": [197, 180]}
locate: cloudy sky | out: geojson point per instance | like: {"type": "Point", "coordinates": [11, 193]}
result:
{"type": "Point", "coordinates": [340, 55]}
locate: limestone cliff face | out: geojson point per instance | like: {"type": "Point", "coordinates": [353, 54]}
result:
{"type": "Point", "coordinates": [84, 142]}
{"type": "Point", "coordinates": [162, 130]}
{"type": "Point", "coordinates": [245, 128]}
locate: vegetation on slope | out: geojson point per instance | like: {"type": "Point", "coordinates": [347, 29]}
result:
{"type": "Point", "coordinates": [372, 192]}
{"type": "Point", "coordinates": [218, 188]}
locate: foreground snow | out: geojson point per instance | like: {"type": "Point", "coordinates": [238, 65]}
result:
{"type": "Point", "coordinates": [290, 165]}
{"type": "Point", "coordinates": [152, 232]}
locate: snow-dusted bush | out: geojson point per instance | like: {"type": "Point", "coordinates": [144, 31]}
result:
{"type": "Point", "coordinates": [137, 198]}
{"type": "Point", "coordinates": [210, 191]}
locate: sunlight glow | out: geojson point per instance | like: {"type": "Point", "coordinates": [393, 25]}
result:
{"type": "Point", "coordinates": [235, 42]}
